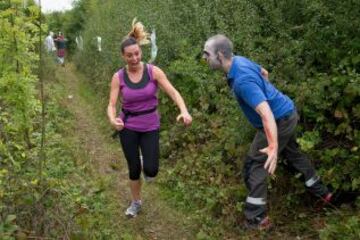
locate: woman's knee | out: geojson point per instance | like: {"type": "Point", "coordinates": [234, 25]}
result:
{"type": "Point", "coordinates": [134, 173]}
{"type": "Point", "coordinates": [151, 171]}
{"type": "Point", "coordinates": [134, 176]}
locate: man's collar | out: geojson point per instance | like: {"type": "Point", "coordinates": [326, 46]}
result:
{"type": "Point", "coordinates": [230, 82]}
{"type": "Point", "coordinates": [231, 74]}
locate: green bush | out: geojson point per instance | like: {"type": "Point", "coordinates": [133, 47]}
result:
{"type": "Point", "coordinates": [346, 230]}
{"type": "Point", "coordinates": [43, 191]}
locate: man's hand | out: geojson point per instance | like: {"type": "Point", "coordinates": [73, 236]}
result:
{"type": "Point", "coordinates": [271, 161]}
{"type": "Point", "coordinates": [118, 124]}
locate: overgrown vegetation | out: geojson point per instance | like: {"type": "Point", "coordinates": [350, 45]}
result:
{"type": "Point", "coordinates": [54, 195]}
{"type": "Point", "coordinates": [311, 49]}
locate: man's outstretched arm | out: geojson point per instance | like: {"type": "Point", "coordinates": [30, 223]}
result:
{"type": "Point", "coordinates": [270, 129]}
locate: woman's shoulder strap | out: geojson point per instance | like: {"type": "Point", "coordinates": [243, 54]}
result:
{"type": "Point", "coordinates": [121, 76]}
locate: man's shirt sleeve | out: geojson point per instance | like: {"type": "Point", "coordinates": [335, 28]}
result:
{"type": "Point", "coordinates": [257, 67]}
{"type": "Point", "coordinates": [249, 92]}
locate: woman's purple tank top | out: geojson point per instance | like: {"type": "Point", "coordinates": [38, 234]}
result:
{"type": "Point", "coordinates": [140, 97]}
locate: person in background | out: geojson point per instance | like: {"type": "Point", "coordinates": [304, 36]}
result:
{"type": "Point", "coordinates": [138, 123]}
{"type": "Point", "coordinates": [61, 46]}
{"type": "Point", "coordinates": [49, 43]}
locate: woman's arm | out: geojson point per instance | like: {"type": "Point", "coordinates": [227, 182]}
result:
{"type": "Point", "coordinates": [169, 89]}
{"type": "Point", "coordinates": [111, 109]}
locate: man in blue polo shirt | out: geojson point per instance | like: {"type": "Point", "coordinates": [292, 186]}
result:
{"type": "Point", "coordinates": [274, 115]}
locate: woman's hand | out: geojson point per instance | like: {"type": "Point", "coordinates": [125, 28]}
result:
{"type": "Point", "coordinates": [118, 124]}
{"type": "Point", "coordinates": [186, 118]}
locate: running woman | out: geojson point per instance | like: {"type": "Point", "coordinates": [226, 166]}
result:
{"type": "Point", "coordinates": [138, 122]}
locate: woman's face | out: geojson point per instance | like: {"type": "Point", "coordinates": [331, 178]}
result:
{"type": "Point", "coordinates": [132, 55]}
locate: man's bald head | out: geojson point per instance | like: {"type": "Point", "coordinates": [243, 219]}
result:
{"type": "Point", "coordinates": [220, 43]}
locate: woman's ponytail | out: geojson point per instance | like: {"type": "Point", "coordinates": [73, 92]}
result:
{"type": "Point", "coordinates": [136, 35]}
{"type": "Point", "coordinates": [138, 32]}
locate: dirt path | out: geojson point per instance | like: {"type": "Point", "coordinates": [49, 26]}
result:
{"type": "Point", "coordinates": [157, 220]}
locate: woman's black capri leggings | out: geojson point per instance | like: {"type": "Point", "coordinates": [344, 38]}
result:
{"type": "Point", "coordinates": [149, 145]}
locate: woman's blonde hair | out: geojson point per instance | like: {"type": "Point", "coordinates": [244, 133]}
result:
{"type": "Point", "coordinates": [137, 35]}
{"type": "Point", "coordinates": [138, 32]}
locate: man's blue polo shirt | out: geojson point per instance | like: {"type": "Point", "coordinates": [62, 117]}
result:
{"type": "Point", "coordinates": [250, 89]}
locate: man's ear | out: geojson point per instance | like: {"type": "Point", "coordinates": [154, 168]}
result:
{"type": "Point", "coordinates": [220, 56]}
